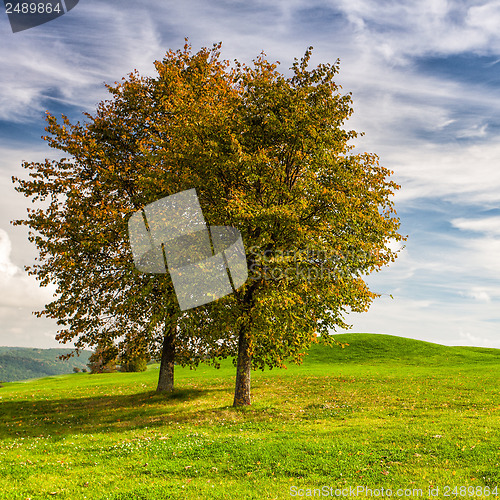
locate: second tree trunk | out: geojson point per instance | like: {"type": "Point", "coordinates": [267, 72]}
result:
{"type": "Point", "coordinates": [243, 370]}
{"type": "Point", "coordinates": [166, 377]}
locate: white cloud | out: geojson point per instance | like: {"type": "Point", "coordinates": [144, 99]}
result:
{"type": "Point", "coordinates": [442, 323]}
{"type": "Point", "coordinates": [462, 172]}
{"type": "Point", "coordinates": [482, 255]}
{"type": "Point", "coordinates": [474, 131]}
{"type": "Point", "coordinates": [7, 268]}
{"type": "Point", "coordinates": [485, 18]}
{"type": "Point", "coordinates": [17, 288]}
{"type": "Point", "coordinates": [70, 66]}
{"type": "Point", "coordinates": [409, 28]}
{"type": "Point", "coordinates": [478, 293]}
{"type": "Point", "coordinates": [20, 296]}
{"type": "Point", "coordinates": [488, 225]}
{"type": "Point", "coordinates": [468, 339]}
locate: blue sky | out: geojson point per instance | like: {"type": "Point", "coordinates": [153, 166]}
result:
{"type": "Point", "coordinates": [425, 81]}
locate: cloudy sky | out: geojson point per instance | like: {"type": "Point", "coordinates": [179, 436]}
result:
{"type": "Point", "coordinates": [425, 81]}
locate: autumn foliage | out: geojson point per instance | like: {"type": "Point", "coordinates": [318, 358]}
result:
{"type": "Point", "coordinates": [269, 155]}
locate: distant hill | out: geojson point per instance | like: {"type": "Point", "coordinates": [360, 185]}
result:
{"type": "Point", "coordinates": [21, 363]}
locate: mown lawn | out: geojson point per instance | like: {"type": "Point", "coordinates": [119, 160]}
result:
{"type": "Point", "coordinates": [385, 412]}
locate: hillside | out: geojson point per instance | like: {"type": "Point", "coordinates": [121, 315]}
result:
{"type": "Point", "coordinates": [373, 348]}
{"type": "Point", "coordinates": [21, 363]}
{"type": "Point", "coordinates": [384, 412]}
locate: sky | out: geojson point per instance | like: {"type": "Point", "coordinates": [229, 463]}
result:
{"type": "Point", "coordinates": [425, 84]}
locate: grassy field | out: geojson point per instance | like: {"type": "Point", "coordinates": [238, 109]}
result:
{"type": "Point", "coordinates": [385, 412]}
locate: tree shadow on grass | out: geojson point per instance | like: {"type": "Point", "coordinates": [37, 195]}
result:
{"type": "Point", "coordinates": [86, 415]}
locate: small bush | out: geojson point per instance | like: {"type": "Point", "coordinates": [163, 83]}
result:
{"type": "Point", "coordinates": [134, 365]}
{"type": "Point", "coordinates": [84, 370]}
{"type": "Point", "coordinates": [103, 360]}
{"type": "Point", "coordinates": [76, 369]}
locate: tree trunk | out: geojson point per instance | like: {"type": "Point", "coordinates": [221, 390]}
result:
{"type": "Point", "coordinates": [166, 377]}
{"type": "Point", "coordinates": [243, 368]}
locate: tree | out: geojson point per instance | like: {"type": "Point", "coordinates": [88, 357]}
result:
{"type": "Point", "coordinates": [268, 155]}
{"type": "Point", "coordinates": [314, 216]}
{"type": "Point", "coordinates": [132, 360]}
{"type": "Point", "coordinates": [115, 169]}
{"type": "Point", "coordinates": [136, 364]}
{"type": "Point", "coordinates": [102, 360]}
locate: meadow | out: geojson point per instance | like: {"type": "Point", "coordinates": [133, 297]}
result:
{"type": "Point", "coordinates": [384, 414]}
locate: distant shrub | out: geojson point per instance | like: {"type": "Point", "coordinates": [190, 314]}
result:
{"type": "Point", "coordinates": [103, 360]}
{"type": "Point", "coordinates": [84, 370]}
{"type": "Point", "coordinates": [76, 369]}
{"type": "Point", "coordinates": [136, 364]}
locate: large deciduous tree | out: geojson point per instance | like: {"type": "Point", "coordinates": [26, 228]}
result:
{"type": "Point", "coordinates": [133, 151]}
{"type": "Point", "coordinates": [315, 217]}
{"type": "Point", "coordinates": [269, 155]}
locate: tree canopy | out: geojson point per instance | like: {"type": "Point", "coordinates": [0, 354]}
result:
{"type": "Point", "coordinates": [268, 154]}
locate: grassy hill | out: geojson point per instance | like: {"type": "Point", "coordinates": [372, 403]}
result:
{"type": "Point", "coordinates": [20, 363]}
{"type": "Point", "coordinates": [384, 412]}
{"type": "Point", "coordinates": [369, 348]}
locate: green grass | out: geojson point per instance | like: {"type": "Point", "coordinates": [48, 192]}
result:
{"type": "Point", "coordinates": [384, 412]}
